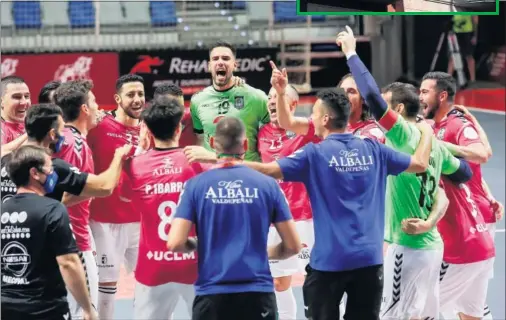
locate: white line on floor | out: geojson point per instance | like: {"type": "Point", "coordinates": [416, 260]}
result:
{"type": "Point", "coordinates": [499, 230]}
{"type": "Point", "coordinates": [502, 113]}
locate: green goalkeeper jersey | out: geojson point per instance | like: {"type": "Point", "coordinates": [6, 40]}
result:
{"type": "Point", "coordinates": [412, 195]}
{"type": "Point", "coordinates": [244, 102]}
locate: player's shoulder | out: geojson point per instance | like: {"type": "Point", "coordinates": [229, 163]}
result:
{"type": "Point", "coordinates": [457, 118]}
{"type": "Point", "coordinates": [253, 92]}
{"type": "Point", "coordinates": [201, 94]}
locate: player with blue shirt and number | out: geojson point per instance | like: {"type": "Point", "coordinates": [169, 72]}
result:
{"type": "Point", "coordinates": [232, 208]}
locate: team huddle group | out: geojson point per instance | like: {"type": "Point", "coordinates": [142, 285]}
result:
{"type": "Point", "coordinates": [377, 198]}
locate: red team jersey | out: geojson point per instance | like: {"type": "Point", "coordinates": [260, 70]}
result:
{"type": "Point", "coordinates": [275, 143]}
{"type": "Point", "coordinates": [103, 141]}
{"type": "Point", "coordinates": [11, 130]}
{"type": "Point", "coordinates": [157, 179]}
{"type": "Point", "coordinates": [188, 137]}
{"type": "Point", "coordinates": [368, 128]}
{"type": "Point", "coordinates": [75, 150]}
{"type": "Point", "coordinates": [463, 227]}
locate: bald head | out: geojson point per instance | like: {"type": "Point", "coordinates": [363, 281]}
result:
{"type": "Point", "coordinates": [292, 93]}
{"type": "Point", "coordinates": [230, 136]}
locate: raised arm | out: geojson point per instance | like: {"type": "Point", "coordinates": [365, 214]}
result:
{"type": "Point", "coordinates": [286, 119]}
{"type": "Point", "coordinates": [365, 82]}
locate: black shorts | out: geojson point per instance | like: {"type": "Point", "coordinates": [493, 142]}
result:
{"type": "Point", "coordinates": [14, 315]}
{"type": "Point", "coordinates": [323, 292]}
{"type": "Point", "coordinates": [465, 45]}
{"type": "Point", "coordinates": [234, 306]}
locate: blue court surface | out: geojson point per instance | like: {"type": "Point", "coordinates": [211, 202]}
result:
{"type": "Point", "coordinates": [494, 173]}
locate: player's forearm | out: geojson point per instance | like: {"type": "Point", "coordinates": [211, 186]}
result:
{"type": "Point", "coordinates": [464, 152]}
{"type": "Point", "coordinates": [483, 138]}
{"type": "Point", "coordinates": [13, 145]}
{"type": "Point", "coordinates": [70, 200]}
{"type": "Point", "coordinates": [271, 169]}
{"type": "Point", "coordinates": [103, 185]}
{"type": "Point", "coordinates": [72, 272]}
{"type": "Point", "coordinates": [287, 120]}
{"type": "Point", "coordinates": [439, 208]}
{"type": "Point", "coordinates": [367, 86]}
{"type": "Point", "coordinates": [280, 252]}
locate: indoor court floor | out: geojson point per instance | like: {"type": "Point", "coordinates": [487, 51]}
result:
{"type": "Point", "coordinates": [494, 173]}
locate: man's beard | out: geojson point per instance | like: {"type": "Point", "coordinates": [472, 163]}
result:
{"type": "Point", "coordinates": [432, 112]}
{"type": "Point", "coordinates": [227, 80]}
{"type": "Point", "coordinates": [129, 112]}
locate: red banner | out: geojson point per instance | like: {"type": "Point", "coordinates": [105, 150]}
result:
{"type": "Point", "coordinates": [38, 69]}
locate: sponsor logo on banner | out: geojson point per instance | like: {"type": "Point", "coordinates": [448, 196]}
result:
{"type": "Point", "coordinates": [101, 68]}
{"type": "Point", "coordinates": [189, 68]}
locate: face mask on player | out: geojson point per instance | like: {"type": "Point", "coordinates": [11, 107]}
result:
{"type": "Point", "coordinates": [51, 181]}
{"type": "Point", "coordinates": [56, 146]}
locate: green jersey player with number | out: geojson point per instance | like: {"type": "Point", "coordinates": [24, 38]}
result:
{"type": "Point", "coordinates": [223, 99]}
{"type": "Point", "coordinates": [415, 253]}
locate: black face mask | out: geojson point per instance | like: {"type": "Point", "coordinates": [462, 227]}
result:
{"type": "Point", "coordinates": [56, 145]}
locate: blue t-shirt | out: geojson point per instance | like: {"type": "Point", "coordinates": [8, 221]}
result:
{"type": "Point", "coordinates": [232, 209]}
{"type": "Point", "coordinates": [345, 177]}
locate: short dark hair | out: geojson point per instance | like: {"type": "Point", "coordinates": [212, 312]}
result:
{"type": "Point", "coordinates": [444, 82]}
{"type": "Point", "coordinates": [22, 160]}
{"type": "Point", "coordinates": [406, 94]}
{"type": "Point", "coordinates": [225, 44]}
{"type": "Point", "coordinates": [337, 101]}
{"type": "Point", "coordinates": [40, 119]}
{"type": "Point", "coordinates": [70, 96]}
{"type": "Point", "coordinates": [229, 134]}
{"type": "Point", "coordinates": [45, 92]}
{"type": "Point", "coordinates": [127, 78]}
{"type": "Point", "coordinates": [9, 80]}
{"type": "Point", "coordinates": [168, 89]}
{"type": "Point", "coordinates": [163, 116]}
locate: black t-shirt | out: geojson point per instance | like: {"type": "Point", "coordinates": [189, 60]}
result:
{"type": "Point", "coordinates": [70, 180]}
{"type": "Point", "coordinates": [34, 231]}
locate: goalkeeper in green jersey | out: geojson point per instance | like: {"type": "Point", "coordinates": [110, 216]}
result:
{"type": "Point", "coordinates": [224, 99]}
{"type": "Point", "coordinates": [412, 261]}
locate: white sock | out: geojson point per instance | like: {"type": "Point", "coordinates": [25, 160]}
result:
{"type": "Point", "coordinates": [342, 307]}
{"type": "Point", "coordinates": [287, 306]}
{"type": "Point", "coordinates": [487, 314]}
{"type": "Point", "coordinates": [106, 302]}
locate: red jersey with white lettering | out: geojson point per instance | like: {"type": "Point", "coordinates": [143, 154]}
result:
{"type": "Point", "coordinates": [157, 179]}
{"type": "Point", "coordinates": [11, 130]}
{"type": "Point", "coordinates": [457, 129]}
{"type": "Point", "coordinates": [275, 143]}
{"type": "Point", "coordinates": [103, 140]}
{"type": "Point", "coordinates": [188, 137]}
{"type": "Point", "coordinates": [367, 128]}
{"type": "Point", "coordinates": [75, 150]}
{"type": "Point", "coordinates": [463, 227]}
